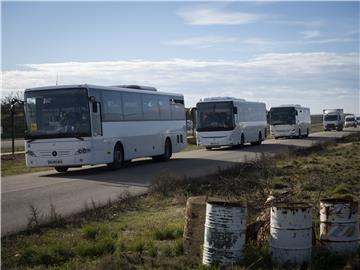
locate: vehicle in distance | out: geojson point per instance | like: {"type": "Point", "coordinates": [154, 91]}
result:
{"type": "Point", "coordinates": [76, 125]}
{"type": "Point", "coordinates": [358, 120]}
{"type": "Point", "coordinates": [226, 121]}
{"type": "Point", "coordinates": [289, 121]}
{"type": "Point", "coordinates": [333, 119]}
{"type": "Point", "coordinates": [350, 121]}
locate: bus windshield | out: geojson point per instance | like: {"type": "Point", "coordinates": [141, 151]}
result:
{"type": "Point", "coordinates": [59, 113]}
{"type": "Point", "coordinates": [215, 116]}
{"type": "Point", "coordinates": [331, 117]}
{"type": "Point", "coordinates": [282, 116]}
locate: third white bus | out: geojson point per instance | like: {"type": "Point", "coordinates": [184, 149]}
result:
{"type": "Point", "coordinates": [226, 121]}
{"type": "Point", "coordinates": [290, 121]}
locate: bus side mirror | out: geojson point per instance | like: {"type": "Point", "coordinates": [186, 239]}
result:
{"type": "Point", "coordinates": [296, 112]}
{"type": "Point", "coordinates": [235, 110]}
{"type": "Point", "coordinates": [94, 107]}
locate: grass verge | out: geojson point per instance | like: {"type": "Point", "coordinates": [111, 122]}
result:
{"type": "Point", "coordinates": [10, 166]}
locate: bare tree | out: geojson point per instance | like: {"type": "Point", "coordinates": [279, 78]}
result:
{"type": "Point", "coordinates": [7, 98]}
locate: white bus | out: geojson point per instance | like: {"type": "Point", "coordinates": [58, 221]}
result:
{"type": "Point", "coordinates": [226, 121]}
{"type": "Point", "coordinates": [76, 125]}
{"type": "Point", "coordinates": [290, 121]}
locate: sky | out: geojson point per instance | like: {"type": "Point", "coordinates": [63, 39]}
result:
{"type": "Point", "coordinates": [276, 52]}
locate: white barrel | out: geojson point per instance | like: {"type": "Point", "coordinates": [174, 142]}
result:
{"type": "Point", "coordinates": [291, 233]}
{"type": "Point", "coordinates": [339, 227]}
{"type": "Point", "coordinates": [225, 231]}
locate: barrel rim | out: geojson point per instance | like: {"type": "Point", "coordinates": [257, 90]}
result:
{"type": "Point", "coordinates": [292, 205]}
{"type": "Point", "coordinates": [338, 200]}
{"type": "Point", "coordinates": [226, 203]}
{"type": "Point", "coordinates": [199, 200]}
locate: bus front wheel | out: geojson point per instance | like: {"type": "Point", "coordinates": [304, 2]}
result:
{"type": "Point", "coordinates": [118, 158]}
{"type": "Point", "coordinates": [61, 169]}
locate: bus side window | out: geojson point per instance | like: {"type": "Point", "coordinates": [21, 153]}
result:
{"type": "Point", "coordinates": [164, 107]}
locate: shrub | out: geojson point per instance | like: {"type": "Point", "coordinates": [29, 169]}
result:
{"type": "Point", "coordinates": [138, 246]}
{"type": "Point", "coordinates": [91, 249]}
{"type": "Point", "coordinates": [178, 248]}
{"type": "Point", "coordinates": [152, 250]}
{"type": "Point", "coordinates": [168, 232]}
{"type": "Point", "coordinates": [47, 255]}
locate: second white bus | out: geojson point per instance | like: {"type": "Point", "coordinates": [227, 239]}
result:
{"type": "Point", "coordinates": [225, 121]}
{"type": "Point", "coordinates": [76, 125]}
{"type": "Point", "coordinates": [290, 121]}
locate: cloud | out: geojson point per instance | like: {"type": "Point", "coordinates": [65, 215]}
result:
{"type": "Point", "coordinates": [307, 23]}
{"type": "Point", "coordinates": [310, 34]}
{"type": "Point", "coordinates": [213, 16]}
{"type": "Point", "coordinates": [267, 43]}
{"type": "Point", "coordinates": [313, 79]}
{"type": "Point", "coordinates": [203, 42]}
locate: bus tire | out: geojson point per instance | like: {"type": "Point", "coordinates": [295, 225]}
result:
{"type": "Point", "coordinates": [118, 158]}
{"type": "Point", "coordinates": [61, 169]}
{"type": "Point", "coordinates": [259, 141]}
{"type": "Point", "coordinates": [242, 140]}
{"type": "Point", "coordinates": [307, 133]}
{"type": "Point", "coordinates": [208, 148]}
{"type": "Point", "coordinates": [167, 152]}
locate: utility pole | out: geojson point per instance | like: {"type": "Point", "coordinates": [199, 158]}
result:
{"type": "Point", "coordinates": [14, 101]}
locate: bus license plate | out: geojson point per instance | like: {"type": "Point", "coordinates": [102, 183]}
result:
{"type": "Point", "coordinates": [54, 162]}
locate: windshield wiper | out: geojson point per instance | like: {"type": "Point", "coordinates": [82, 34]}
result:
{"type": "Point", "coordinates": [77, 136]}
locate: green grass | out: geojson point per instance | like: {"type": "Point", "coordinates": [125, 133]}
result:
{"type": "Point", "coordinates": [15, 166]}
{"type": "Point", "coordinates": [192, 147]}
{"type": "Point", "coordinates": [146, 232]}
{"type": "Point", "coordinates": [9, 149]}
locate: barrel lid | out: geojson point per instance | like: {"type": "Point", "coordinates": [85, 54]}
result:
{"type": "Point", "coordinates": [226, 203]}
{"type": "Point", "coordinates": [292, 205]}
{"type": "Point", "coordinates": [200, 199]}
{"type": "Point", "coordinates": [337, 200]}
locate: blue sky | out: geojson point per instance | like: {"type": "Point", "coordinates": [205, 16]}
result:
{"type": "Point", "coordinates": [279, 52]}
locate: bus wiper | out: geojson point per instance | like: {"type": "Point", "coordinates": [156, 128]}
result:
{"type": "Point", "coordinates": [77, 136]}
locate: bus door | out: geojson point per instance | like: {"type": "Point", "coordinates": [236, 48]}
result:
{"type": "Point", "coordinates": [96, 126]}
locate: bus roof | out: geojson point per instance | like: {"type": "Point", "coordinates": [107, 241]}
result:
{"type": "Point", "coordinates": [298, 106]}
{"type": "Point", "coordinates": [224, 99]}
{"type": "Point", "coordinates": [212, 99]}
{"type": "Point", "coordinates": [112, 88]}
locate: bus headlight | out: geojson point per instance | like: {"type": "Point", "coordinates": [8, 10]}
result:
{"type": "Point", "coordinates": [30, 153]}
{"type": "Point", "coordinates": [82, 151]}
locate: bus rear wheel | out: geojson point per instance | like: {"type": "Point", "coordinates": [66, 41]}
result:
{"type": "Point", "coordinates": [307, 133]}
{"type": "Point", "coordinates": [167, 152]}
{"type": "Point", "coordinates": [259, 141]}
{"type": "Point", "coordinates": [118, 158]}
{"type": "Point", "coordinates": [61, 169]}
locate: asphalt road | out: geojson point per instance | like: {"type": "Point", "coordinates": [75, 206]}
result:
{"type": "Point", "coordinates": [70, 192]}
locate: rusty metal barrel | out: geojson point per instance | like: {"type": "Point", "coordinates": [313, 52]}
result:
{"type": "Point", "coordinates": [291, 233]}
{"type": "Point", "coordinates": [339, 227]}
{"type": "Point", "coordinates": [225, 231]}
{"type": "Point", "coordinates": [193, 237]}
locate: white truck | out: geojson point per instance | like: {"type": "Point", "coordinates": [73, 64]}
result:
{"type": "Point", "coordinates": [333, 119]}
{"type": "Point", "coordinates": [291, 120]}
